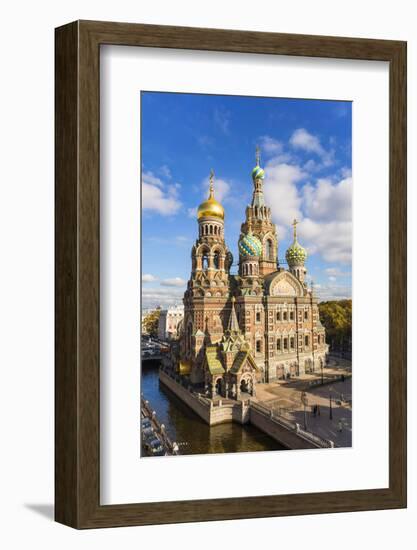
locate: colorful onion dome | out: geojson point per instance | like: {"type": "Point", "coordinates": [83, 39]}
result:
{"type": "Point", "coordinates": [210, 208]}
{"type": "Point", "coordinates": [296, 254]}
{"type": "Point", "coordinates": [250, 245]}
{"type": "Point", "coordinates": [258, 173]}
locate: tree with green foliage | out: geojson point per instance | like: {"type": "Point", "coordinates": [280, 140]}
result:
{"type": "Point", "coordinates": [336, 317]}
{"type": "Point", "coordinates": [151, 321]}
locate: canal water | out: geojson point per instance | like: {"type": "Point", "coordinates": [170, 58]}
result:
{"type": "Point", "coordinates": [192, 434]}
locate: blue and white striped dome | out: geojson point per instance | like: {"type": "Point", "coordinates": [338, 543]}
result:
{"type": "Point", "coordinates": [249, 245]}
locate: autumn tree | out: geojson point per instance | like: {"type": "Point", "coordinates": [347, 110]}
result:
{"type": "Point", "coordinates": [336, 316]}
{"type": "Point", "coordinates": [151, 321]}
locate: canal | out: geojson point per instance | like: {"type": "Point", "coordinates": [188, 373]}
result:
{"type": "Point", "coordinates": [192, 435]}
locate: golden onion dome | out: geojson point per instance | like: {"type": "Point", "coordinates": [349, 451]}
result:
{"type": "Point", "coordinates": [210, 208]}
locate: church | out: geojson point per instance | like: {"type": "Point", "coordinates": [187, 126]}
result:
{"type": "Point", "coordinates": [259, 325]}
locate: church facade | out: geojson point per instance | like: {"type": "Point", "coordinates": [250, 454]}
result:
{"type": "Point", "coordinates": [259, 325]}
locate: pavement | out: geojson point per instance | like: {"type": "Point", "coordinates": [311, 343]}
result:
{"type": "Point", "coordinates": [333, 417]}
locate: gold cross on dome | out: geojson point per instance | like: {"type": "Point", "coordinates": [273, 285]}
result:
{"type": "Point", "coordinates": [258, 155]}
{"type": "Point", "coordinates": [294, 224]}
{"type": "Point", "coordinates": [211, 183]}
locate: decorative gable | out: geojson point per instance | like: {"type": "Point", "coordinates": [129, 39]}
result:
{"type": "Point", "coordinates": [284, 284]}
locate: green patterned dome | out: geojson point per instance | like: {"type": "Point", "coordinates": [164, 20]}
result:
{"type": "Point", "coordinates": [249, 245]}
{"type": "Point", "coordinates": [258, 173]}
{"type": "Point", "coordinates": [296, 254]}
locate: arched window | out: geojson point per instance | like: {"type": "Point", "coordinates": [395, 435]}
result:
{"type": "Point", "coordinates": [216, 260]}
{"type": "Point", "coordinates": [205, 260]}
{"type": "Point", "coordinates": [269, 253]}
{"type": "Point", "coordinates": [258, 346]}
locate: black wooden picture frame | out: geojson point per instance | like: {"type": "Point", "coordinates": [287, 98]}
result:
{"type": "Point", "coordinates": [77, 403]}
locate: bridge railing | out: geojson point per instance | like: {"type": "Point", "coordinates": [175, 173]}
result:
{"type": "Point", "coordinates": [292, 426]}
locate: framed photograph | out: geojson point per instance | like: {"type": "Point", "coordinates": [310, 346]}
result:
{"type": "Point", "coordinates": [230, 274]}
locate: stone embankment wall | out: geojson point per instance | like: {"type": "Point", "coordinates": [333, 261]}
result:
{"type": "Point", "coordinates": [217, 414]}
{"type": "Point", "coordinates": [199, 407]}
{"type": "Point", "coordinates": [283, 434]}
{"type": "Point", "coordinates": [287, 434]}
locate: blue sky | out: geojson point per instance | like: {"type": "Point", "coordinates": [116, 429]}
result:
{"type": "Point", "coordinates": [305, 150]}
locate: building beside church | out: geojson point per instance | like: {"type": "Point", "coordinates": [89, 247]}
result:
{"type": "Point", "coordinates": [259, 325]}
{"type": "Point", "coordinates": [169, 322]}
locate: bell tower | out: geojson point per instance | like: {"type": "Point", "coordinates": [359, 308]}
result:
{"type": "Point", "coordinates": [208, 287]}
{"type": "Point", "coordinates": [210, 256]}
{"type": "Point", "coordinates": [258, 218]}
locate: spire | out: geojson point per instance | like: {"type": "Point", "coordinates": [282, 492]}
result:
{"type": "Point", "coordinates": [258, 156]}
{"type": "Point", "coordinates": [258, 175]}
{"type": "Point", "coordinates": [211, 193]}
{"type": "Point", "coordinates": [233, 324]}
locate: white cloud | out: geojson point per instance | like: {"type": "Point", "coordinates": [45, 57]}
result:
{"type": "Point", "coordinates": [327, 226]}
{"type": "Point", "coordinates": [164, 297]}
{"type": "Point", "coordinates": [332, 292]}
{"type": "Point", "coordinates": [165, 171]}
{"type": "Point", "coordinates": [174, 281]}
{"type": "Point", "coordinates": [156, 197]}
{"type": "Point", "coordinates": [192, 212]}
{"type": "Point", "coordinates": [311, 166]}
{"type": "Point", "coordinates": [324, 209]}
{"type": "Point", "coordinates": [270, 145]}
{"type": "Point", "coordinates": [332, 240]}
{"type": "Point", "coordinates": [336, 272]}
{"type": "Point", "coordinates": [281, 192]}
{"type": "Point", "coordinates": [148, 278]}
{"type": "Point", "coordinates": [329, 201]}
{"type": "Point", "coordinates": [302, 139]}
